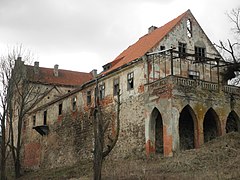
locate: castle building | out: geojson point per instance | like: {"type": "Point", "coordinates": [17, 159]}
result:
{"type": "Point", "coordinates": [173, 98]}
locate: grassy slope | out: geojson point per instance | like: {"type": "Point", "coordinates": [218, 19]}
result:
{"type": "Point", "coordinates": [217, 159]}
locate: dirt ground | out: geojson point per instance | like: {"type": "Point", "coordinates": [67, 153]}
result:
{"type": "Point", "coordinates": [217, 159]}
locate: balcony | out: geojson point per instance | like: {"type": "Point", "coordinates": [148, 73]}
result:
{"type": "Point", "coordinates": [175, 82]}
{"type": "Point", "coordinates": [42, 130]}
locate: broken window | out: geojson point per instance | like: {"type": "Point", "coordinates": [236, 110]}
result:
{"type": "Point", "coordinates": [162, 48]}
{"type": "Point", "coordinates": [89, 98]}
{"type": "Point", "coordinates": [102, 91]}
{"type": "Point", "coordinates": [189, 28]}
{"type": "Point", "coordinates": [74, 103]}
{"type": "Point", "coordinates": [130, 81]}
{"type": "Point", "coordinates": [115, 86]}
{"type": "Point", "coordinates": [199, 53]}
{"type": "Point", "coordinates": [45, 117]}
{"type": "Point", "coordinates": [34, 120]}
{"type": "Point", "coordinates": [60, 109]}
{"type": "Point", "coordinates": [193, 74]}
{"type": "Point", "coordinates": [182, 49]}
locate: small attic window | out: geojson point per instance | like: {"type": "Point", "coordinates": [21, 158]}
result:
{"type": "Point", "coordinates": [106, 67]}
{"type": "Point", "coordinates": [189, 28]}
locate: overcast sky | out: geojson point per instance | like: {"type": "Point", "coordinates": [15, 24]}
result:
{"type": "Point", "coordinates": [83, 35]}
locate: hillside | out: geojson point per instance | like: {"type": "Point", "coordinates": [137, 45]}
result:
{"type": "Point", "coordinates": [217, 159]}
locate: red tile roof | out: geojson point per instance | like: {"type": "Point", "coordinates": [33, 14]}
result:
{"type": "Point", "coordinates": [144, 44]}
{"type": "Point", "coordinates": [65, 77]}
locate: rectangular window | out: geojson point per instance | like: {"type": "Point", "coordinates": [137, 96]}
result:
{"type": "Point", "coordinates": [130, 80]}
{"type": "Point", "coordinates": [162, 48]}
{"type": "Point", "coordinates": [193, 74]}
{"type": "Point", "coordinates": [115, 86]}
{"type": "Point", "coordinates": [34, 120]}
{"type": "Point", "coordinates": [60, 109]}
{"type": "Point", "coordinates": [89, 98]}
{"type": "Point", "coordinates": [199, 53]}
{"type": "Point", "coordinates": [182, 49]}
{"type": "Point", "coordinates": [45, 118]}
{"type": "Point", "coordinates": [74, 103]}
{"type": "Point", "coordinates": [102, 91]}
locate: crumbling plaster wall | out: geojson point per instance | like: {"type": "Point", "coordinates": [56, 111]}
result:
{"type": "Point", "coordinates": [170, 100]}
{"type": "Point", "coordinates": [70, 134]}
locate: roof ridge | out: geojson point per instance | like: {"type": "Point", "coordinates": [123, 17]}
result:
{"type": "Point", "coordinates": [144, 44]}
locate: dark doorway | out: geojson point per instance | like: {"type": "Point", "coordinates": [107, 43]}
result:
{"type": "Point", "coordinates": [232, 124]}
{"type": "Point", "coordinates": [210, 125]}
{"type": "Point", "coordinates": [186, 129]}
{"type": "Point", "coordinates": [157, 120]}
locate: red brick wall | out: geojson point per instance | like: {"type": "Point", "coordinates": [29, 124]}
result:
{"type": "Point", "coordinates": [32, 154]}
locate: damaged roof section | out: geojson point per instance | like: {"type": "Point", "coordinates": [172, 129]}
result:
{"type": "Point", "coordinates": [144, 44]}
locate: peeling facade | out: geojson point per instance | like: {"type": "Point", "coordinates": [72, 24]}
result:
{"type": "Point", "coordinates": [173, 98]}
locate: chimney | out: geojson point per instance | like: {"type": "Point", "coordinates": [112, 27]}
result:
{"type": "Point", "coordinates": [94, 72]}
{"type": "Point", "coordinates": [55, 71]}
{"type": "Point", "coordinates": [36, 67]}
{"type": "Point", "coordinates": [151, 29]}
{"type": "Point", "coordinates": [19, 63]}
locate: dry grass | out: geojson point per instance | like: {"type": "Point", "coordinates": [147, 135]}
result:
{"type": "Point", "coordinates": [217, 159]}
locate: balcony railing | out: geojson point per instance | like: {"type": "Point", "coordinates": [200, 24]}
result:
{"type": "Point", "coordinates": [199, 84]}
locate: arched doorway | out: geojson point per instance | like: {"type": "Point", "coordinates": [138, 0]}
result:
{"type": "Point", "coordinates": [232, 124]}
{"type": "Point", "coordinates": [157, 127]}
{"type": "Point", "coordinates": [186, 128]}
{"type": "Point", "coordinates": [211, 125]}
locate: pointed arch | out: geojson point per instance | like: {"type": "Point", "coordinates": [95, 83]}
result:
{"type": "Point", "coordinates": [157, 130]}
{"type": "Point", "coordinates": [233, 122]}
{"type": "Point", "coordinates": [188, 128]}
{"type": "Point", "coordinates": [211, 125]}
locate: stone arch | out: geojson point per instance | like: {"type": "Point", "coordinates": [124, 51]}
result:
{"type": "Point", "coordinates": [156, 125]}
{"type": "Point", "coordinates": [187, 128]}
{"type": "Point", "coordinates": [211, 125]}
{"type": "Point", "coordinates": [233, 122]}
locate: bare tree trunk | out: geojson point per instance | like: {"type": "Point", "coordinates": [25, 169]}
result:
{"type": "Point", "coordinates": [3, 148]}
{"type": "Point", "coordinates": [99, 133]}
{"type": "Point", "coordinates": [98, 146]}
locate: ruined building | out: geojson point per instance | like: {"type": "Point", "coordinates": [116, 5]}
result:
{"type": "Point", "coordinates": [173, 98]}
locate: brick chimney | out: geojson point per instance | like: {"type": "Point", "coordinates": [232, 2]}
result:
{"type": "Point", "coordinates": [151, 29]}
{"type": "Point", "coordinates": [36, 67]}
{"type": "Point", "coordinates": [55, 71]}
{"type": "Point", "coordinates": [94, 72]}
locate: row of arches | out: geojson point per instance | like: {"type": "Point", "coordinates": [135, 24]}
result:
{"type": "Point", "coordinates": [188, 127]}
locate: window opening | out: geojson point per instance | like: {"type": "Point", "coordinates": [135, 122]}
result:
{"type": "Point", "coordinates": [115, 86]}
{"type": "Point", "coordinates": [89, 98]}
{"type": "Point", "coordinates": [45, 118]}
{"type": "Point", "coordinates": [189, 28]}
{"type": "Point", "coordinates": [34, 120]}
{"type": "Point", "coordinates": [60, 109]}
{"type": "Point", "coordinates": [130, 81]}
{"type": "Point", "coordinates": [199, 53]}
{"type": "Point", "coordinates": [74, 103]}
{"type": "Point", "coordinates": [102, 91]}
{"type": "Point", "coordinates": [193, 74]}
{"type": "Point", "coordinates": [182, 49]}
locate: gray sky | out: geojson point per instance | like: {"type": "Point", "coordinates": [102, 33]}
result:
{"type": "Point", "coordinates": [83, 35]}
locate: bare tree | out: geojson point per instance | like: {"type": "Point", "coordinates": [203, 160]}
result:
{"type": "Point", "coordinates": [21, 95]}
{"type": "Point", "coordinates": [231, 50]}
{"type": "Point", "coordinates": [100, 129]}
{"type": "Point", "coordinates": [6, 64]}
